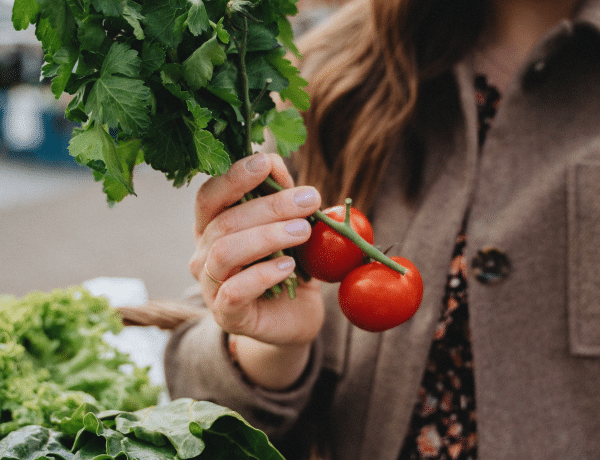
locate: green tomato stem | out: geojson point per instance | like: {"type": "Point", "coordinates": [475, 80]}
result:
{"type": "Point", "coordinates": [348, 210]}
{"type": "Point", "coordinates": [344, 228]}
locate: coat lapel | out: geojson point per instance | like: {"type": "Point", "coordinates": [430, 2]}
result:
{"type": "Point", "coordinates": [428, 240]}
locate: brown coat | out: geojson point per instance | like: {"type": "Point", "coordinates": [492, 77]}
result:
{"type": "Point", "coordinates": [535, 192]}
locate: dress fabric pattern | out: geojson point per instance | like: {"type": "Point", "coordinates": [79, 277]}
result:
{"type": "Point", "coordinates": [444, 424]}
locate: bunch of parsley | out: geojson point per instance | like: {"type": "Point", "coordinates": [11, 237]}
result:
{"type": "Point", "coordinates": [183, 85]}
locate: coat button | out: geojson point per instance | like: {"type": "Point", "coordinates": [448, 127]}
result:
{"type": "Point", "coordinates": [490, 265]}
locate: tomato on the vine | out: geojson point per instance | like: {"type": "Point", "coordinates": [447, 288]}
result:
{"type": "Point", "coordinates": [329, 256]}
{"type": "Point", "coordinates": [375, 297]}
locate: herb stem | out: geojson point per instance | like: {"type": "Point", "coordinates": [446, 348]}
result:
{"type": "Point", "coordinates": [290, 282]}
{"type": "Point", "coordinates": [261, 95]}
{"type": "Point", "coordinates": [248, 115]}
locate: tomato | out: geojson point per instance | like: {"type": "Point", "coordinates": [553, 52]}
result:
{"type": "Point", "coordinates": [376, 298]}
{"type": "Point", "coordinates": [329, 256]}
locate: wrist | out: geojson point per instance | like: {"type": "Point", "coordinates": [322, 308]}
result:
{"type": "Point", "coordinates": [272, 367]}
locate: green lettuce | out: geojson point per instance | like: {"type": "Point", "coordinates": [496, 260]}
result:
{"type": "Point", "coordinates": [53, 358]}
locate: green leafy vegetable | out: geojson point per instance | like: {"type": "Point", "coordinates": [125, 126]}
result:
{"type": "Point", "coordinates": [35, 442]}
{"type": "Point", "coordinates": [182, 429]}
{"type": "Point", "coordinates": [181, 85]}
{"type": "Point", "coordinates": [53, 358]}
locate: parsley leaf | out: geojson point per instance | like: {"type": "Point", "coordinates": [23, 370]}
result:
{"type": "Point", "coordinates": [288, 130]}
{"type": "Point", "coordinates": [24, 12]}
{"type": "Point", "coordinates": [294, 92]}
{"type": "Point", "coordinates": [162, 21]}
{"type": "Point", "coordinates": [109, 7]}
{"type": "Point", "coordinates": [198, 20]}
{"type": "Point", "coordinates": [96, 147]}
{"type": "Point", "coordinates": [91, 35]}
{"type": "Point", "coordinates": [65, 59]}
{"type": "Point", "coordinates": [170, 148]}
{"type": "Point", "coordinates": [211, 153]}
{"type": "Point", "coordinates": [153, 58]}
{"type": "Point", "coordinates": [132, 13]}
{"type": "Point", "coordinates": [224, 84]}
{"type": "Point", "coordinates": [198, 68]}
{"type": "Point", "coordinates": [128, 154]}
{"type": "Point", "coordinates": [121, 59]}
{"type": "Point", "coordinates": [116, 100]}
{"type": "Point", "coordinates": [286, 36]}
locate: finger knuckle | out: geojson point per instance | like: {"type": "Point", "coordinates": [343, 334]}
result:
{"type": "Point", "coordinates": [230, 294]}
{"type": "Point", "coordinates": [271, 238]}
{"type": "Point", "coordinates": [195, 266]}
{"type": "Point", "coordinates": [220, 253]}
{"type": "Point", "coordinates": [276, 206]}
{"type": "Point", "coordinates": [234, 176]}
{"type": "Point", "coordinates": [264, 277]}
{"type": "Point", "coordinates": [227, 223]}
{"type": "Point", "coordinates": [202, 195]}
{"type": "Point", "coordinates": [279, 163]}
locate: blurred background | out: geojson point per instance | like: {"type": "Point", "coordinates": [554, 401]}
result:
{"type": "Point", "coordinates": [56, 229]}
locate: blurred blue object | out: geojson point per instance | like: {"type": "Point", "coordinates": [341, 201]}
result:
{"type": "Point", "coordinates": [33, 128]}
{"type": "Point", "coordinates": [57, 132]}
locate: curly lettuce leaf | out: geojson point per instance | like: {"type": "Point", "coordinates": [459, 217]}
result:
{"type": "Point", "coordinates": [53, 358]}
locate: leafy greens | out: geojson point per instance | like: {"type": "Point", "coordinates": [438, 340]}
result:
{"type": "Point", "coordinates": [183, 85]}
{"type": "Point", "coordinates": [182, 429]}
{"type": "Point", "coordinates": [53, 358]}
{"type": "Point", "coordinates": [64, 393]}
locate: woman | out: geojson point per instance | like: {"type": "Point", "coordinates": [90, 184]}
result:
{"type": "Point", "coordinates": [468, 131]}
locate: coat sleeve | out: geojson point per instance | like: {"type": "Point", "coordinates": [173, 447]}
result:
{"type": "Point", "coordinates": [197, 365]}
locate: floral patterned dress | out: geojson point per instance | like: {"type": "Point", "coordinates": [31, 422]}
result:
{"type": "Point", "coordinates": [444, 423]}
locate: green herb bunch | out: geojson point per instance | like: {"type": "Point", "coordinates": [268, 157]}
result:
{"type": "Point", "coordinates": [182, 85]}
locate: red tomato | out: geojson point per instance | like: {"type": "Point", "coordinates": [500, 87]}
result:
{"type": "Point", "coordinates": [376, 298]}
{"type": "Point", "coordinates": [329, 256]}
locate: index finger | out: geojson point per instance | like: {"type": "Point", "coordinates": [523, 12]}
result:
{"type": "Point", "coordinates": [219, 193]}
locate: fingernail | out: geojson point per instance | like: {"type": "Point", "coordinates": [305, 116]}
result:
{"type": "Point", "coordinates": [286, 264]}
{"type": "Point", "coordinates": [298, 227]}
{"type": "Point", "coordinates": [256, 163]}
{"type": "Point", "coordinates": [306, 198]}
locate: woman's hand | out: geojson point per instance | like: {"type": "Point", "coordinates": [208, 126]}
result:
{"type": "Point", "coordinates": [230, 238]}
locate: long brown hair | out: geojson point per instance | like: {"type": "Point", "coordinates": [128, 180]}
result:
{"type": "Point", "coordinates": [374, 57]}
